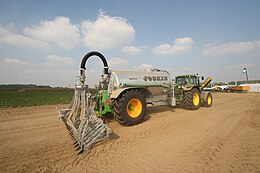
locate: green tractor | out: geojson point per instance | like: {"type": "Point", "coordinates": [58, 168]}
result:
{"type": "Point", "coordinates": [189, 92]}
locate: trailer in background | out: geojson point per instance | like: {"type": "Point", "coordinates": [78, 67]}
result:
{"type": "Point", "coordinates": [252, 87]}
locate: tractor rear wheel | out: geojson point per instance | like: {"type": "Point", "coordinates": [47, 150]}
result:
{"type": "Point", "coordinates": [191, 99]}
{"type": "Point", "coordinates": [209, 100]}
{"type": "Point", "coordinates": [130, 108]}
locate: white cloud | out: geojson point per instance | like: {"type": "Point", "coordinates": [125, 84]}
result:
{"type": "Point", "coordinates": [145, 66]}
{"type": "Point", "coordinates": [10, 26]}
{"type": "Point", "coordinates": [107, 32]}
{"type": "Point", "coordinates": [131, 50]}
{"type": "Point", "coordinates": [14, 70]}
{"type": "Point", "coordinates": [192, 69]}
{"type": "Point", "coordinates": [60, 59]}
{"type": "Point", "coordinates": [240, 66]}
{"type": "Point", "coordinates": [230, 48]}
{"type": "Point", "coordinates": [21, 41]}
{"type": "Point", "coordinates": [59, 31]}
{"type": "Point", "coordinates": [14, 61]}
{"type": "Point", "coordinates": [115, 62]}
{"type": "Point", "coordinates": [180, 45]}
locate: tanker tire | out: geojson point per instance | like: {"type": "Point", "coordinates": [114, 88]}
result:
{"type": "Point", "coordinates": [120, 108]}
{"type": "Point", "coordinates": [188, 99]}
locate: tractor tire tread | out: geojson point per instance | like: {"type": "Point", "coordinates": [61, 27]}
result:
{"type": "Point", "coordinates": [205, 104]}
{"type": "Point", "coordinates": [188, 100]}
{"type": "Point", "coordinates": [119, 104]}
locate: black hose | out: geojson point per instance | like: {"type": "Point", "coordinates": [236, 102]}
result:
{"type": "Point", "coordinates": [94, 53]}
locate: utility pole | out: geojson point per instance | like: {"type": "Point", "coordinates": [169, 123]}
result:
{"type": "Point", "coordinates": [245, 71]}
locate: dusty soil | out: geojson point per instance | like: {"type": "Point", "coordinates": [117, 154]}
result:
{"type": "Point", "coordinates": [224, 138]}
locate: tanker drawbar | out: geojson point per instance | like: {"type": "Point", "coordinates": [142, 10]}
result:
{"type": "Point", "coordinates": [79, 117]}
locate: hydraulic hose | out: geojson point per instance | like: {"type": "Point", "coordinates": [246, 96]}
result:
{"type": "Point", "coordinates": [94, 53]}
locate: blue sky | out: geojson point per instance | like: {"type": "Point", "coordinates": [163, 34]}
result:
{"type": "Point", "coordinates": [42, 42]}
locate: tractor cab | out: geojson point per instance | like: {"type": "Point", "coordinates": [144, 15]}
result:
{"type": "Point", "coordinates": [186, 79]}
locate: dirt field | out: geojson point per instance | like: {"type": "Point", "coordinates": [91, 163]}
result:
{"type": "Point", "coordinates": [224, 138]}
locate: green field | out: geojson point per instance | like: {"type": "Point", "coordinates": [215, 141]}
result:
{"type": "Point", "coordinates": [10, 99]}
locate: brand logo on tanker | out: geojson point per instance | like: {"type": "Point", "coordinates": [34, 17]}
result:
{"type": "Point", "coordinates": [155, 78]}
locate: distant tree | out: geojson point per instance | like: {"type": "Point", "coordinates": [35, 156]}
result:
{"type": "Point", "coordinates": [232, 83]}
{"type": "Point", "coordinates": [250, 82]}
{"type": "Point", "coordinates": [218, 83]}
{"type": "Point", "coordinates": [20, 86]}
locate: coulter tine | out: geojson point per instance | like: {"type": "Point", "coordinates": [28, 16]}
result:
{"type": "Point", "coordinates": [78, 148]}
{"type": "Point", "coordinates": [81, 151]}
{"type": "Point", "coordinates": [84, 127]}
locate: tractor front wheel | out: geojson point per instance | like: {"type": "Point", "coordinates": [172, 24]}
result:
{"type": "Point", "coordinates": [130, 108]}
{"type": "Point", "coordinates": [191, 99]}
{"type": "Point", "coordinates": [209, 100]}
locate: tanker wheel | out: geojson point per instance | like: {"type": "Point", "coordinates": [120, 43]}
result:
{"type": "Point", "coordinates": [191, 99]}
{"type": "Point", "coordinates": [209, 100]}
{"type": "Point", "coordinates": [130, 108]}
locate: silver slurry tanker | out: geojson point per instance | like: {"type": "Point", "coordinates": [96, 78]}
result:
{"type": "Point", "coordinates": [155, 84]}
{"type": "Point", "coordinates": [124, 94]}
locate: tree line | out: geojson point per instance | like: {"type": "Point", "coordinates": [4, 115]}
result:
{"type": "Point", "coordinates": [18, 86]}
{"type": "Point", "coordinates": [236, 83]}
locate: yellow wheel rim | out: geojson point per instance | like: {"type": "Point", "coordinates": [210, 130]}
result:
{"type": "Point", "coordinates": [209, 100]}
{"type": "Point", "coordinates": [196, 99]}
{"type": "Point", "coordinates": [134, 108]}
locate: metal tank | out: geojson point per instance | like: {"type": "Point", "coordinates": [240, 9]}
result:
{"type": "Point", "coordinates": [154, 80]}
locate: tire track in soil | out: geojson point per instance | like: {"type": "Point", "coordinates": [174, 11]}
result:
{"type": "Point", "coordinates": [116, 146]}
{"type": "Point", "coordinates": [224, 138]}
{"type": "Point", "coordinates": [235, 151]}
